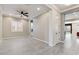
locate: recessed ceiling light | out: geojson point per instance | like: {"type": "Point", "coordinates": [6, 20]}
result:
{"type": "Point", "coordinates": [10, 14]}
{"type": "Point", "coordinates": [38, 9]}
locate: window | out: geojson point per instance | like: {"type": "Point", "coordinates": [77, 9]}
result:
{"type": "Point", "coordinates": [20, 26]}
{"type": "Point", "coordinates": [31, 25]}
{"type": "Point", "coordinates": [16, 26]}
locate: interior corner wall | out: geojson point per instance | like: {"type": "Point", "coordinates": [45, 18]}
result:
{"type": "Point", "coordinates": [41, 27]}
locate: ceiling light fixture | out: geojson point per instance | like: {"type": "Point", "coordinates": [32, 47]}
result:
{"type": "Point", "coordinates": [38, 9]}
{"type": "Point", "coordinates": [10, 14]}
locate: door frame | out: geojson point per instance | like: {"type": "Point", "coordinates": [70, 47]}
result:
{"type": "Point", "coordinates": [70, 24]}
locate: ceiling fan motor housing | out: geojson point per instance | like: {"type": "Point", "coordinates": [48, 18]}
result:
{"type": "Point", "coordinates": [21, 12]}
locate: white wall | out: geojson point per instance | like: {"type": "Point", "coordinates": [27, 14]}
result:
{"type": "Point", "coordinates": [41, 27]}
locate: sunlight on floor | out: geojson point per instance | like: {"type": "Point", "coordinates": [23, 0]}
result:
{"type": "Point", "coordinates": [68, 40]}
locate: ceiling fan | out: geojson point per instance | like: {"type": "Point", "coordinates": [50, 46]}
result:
{"type": "Point", "coordinates": [22, 13]}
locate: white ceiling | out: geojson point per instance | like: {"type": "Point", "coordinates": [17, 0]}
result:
{"type": "Point", "coordinates": [64, 6]}
{"type": "Point", "coordinates": [11, 9]}
{"type": "Point", "coordinates": [30, 8]}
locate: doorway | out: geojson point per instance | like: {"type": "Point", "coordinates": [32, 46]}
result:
{"type": "Point", "coordinates": [68, 28]}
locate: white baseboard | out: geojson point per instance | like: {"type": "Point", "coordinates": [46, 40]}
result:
{"type": "Point", "coordinates": [13, 37]}
{"type": "Point", "coordinates": [24, 36]}
{"type": "Point", "coordinates": [58, 42]}
{"type": "Point", "coordinates": [40, 40]}
{"type": "Point", "coordinates": [62, 41]}
{"type": "Point", "coordinates": [47, 42]}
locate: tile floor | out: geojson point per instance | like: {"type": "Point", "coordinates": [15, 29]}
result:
{"type": "Point", "coordinates": [22, 46]}
{"type": "Point", "coordinates": [29, 46]}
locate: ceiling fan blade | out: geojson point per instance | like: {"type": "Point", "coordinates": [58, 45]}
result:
{"type": "Point", "coordinates": [25, 13]}
{"type": "Point", "coordinates": [18, 11]}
